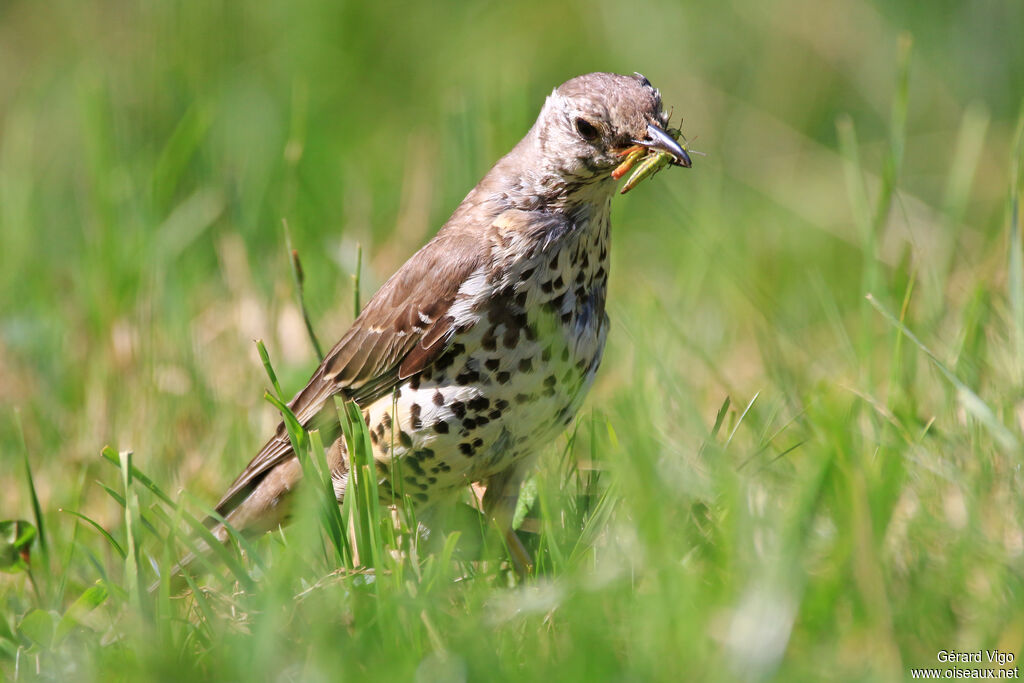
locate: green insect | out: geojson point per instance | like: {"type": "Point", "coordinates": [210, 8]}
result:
{"type": "Point", "coordinates": [646, 168]}
{"type": "Point", "coordinates": [651, 162]}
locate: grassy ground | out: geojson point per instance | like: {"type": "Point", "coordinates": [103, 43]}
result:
{"type": "Point", "coordinates": [802, 457]}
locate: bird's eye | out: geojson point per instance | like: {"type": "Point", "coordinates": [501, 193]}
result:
{"type": "Point", "coordinates": [587, 130]}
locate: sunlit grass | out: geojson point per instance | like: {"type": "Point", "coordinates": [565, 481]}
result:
{"type": "Point", "coordinates": [801, 459]}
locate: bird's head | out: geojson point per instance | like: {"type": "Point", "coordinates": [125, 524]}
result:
{"type": "Point", "coordinates": [589, 123]}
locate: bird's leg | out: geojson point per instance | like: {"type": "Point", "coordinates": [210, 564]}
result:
{"type": "Point", "coordinates": [500, 506]}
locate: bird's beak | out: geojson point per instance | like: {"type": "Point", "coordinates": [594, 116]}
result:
{"type": "Point", "coordinates": [658, 139]}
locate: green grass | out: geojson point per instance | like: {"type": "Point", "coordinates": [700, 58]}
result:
{"type": "Point", "coordinates": [802, 456]}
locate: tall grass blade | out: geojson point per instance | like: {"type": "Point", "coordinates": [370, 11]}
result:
{"type": "Point", "coordinates": [131, 513]}
{"type": "Point", "coordinates": [37, 511]}
{"type": "Point", "coordinates": [103, 532]}
{"type": "Point", "coordinates": [299, 277]}
{"type": "Point", "coordinates": [1016, 259]}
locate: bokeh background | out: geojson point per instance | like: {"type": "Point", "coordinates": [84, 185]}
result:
{"type": "Point", "coordinates": [854, 511]}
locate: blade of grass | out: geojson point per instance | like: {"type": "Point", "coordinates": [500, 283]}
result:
{"type": "Point", "coordinates": [149, 526]}
{"type": "Point", "coordinates": [37, 511]}
{"type": "Point", "coordinates": [357, 306]}
{"type": "Point", "coordinates": [131, 564]}
{"type": "Point", "coordinates": [331, 519]}
{"type": "Point", "coordinates": [103, 532]}
{"type": "Point", "coordinates": [265, 357]}
{"type": "Point", "coordinates": [1016, 257]}
{"type": "Point", "coordinates": [740, 420]}
{"type": "Point", "coordinates": [112, 457]}
{"type": "Point", "coordinates": [299, 277]}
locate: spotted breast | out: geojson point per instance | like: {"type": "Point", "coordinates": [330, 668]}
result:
{"type": "Point", "coordinates": [533, 330]}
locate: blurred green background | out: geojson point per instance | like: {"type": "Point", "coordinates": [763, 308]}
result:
{"type": "Point", "coordinates": [856, 511]}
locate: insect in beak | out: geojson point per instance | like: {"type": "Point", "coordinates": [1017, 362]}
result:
{"type": "Point", "coordinates": [660, 149]}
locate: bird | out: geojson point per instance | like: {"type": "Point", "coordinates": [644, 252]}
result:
{"type": "Point", "coordinates": [480, 349]}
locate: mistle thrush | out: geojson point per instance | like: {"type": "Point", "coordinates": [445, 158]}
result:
{"type": "Point", "coordinates": [481, 348]}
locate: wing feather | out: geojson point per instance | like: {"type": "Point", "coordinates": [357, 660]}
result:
{"type": "Point", "coordinates": [402, 330]}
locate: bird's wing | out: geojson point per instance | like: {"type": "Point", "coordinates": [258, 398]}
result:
{"type": "Point", "coordinates": [405, 327]}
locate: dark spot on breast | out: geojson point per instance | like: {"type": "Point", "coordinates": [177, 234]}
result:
{"type": "Point", "coordinates": [527, 273]}
{"type": "Point", "coordinates": [366, 417]}
{"type": "Point", "coordinates": [445, 361]}
{"type": "Point", "coordinates": [385, 421]}
{"type": "Point", "coordinates": [467, 377]}
{"type": "Point", "coordinates": [424, 454]}
{"type": "Point", "coordinates": [438, 398]}
{"type": "Point", "coordinates": [404, 439]}
{"type": "Point", "coordinates": [503, 377]}
{"type": "Point", "coordinates": [445, 467]}
{"type": "Point", "coordinates": [492, 364]}
{"type": "Point", "coordinates": [458, 409]}
{"type": "Point", "coordinates": [414, 412]}
{"type": "Point", "coordinates": [566, 317]}
{"type": "Point", "coordinates": [373, 437]}
{"type": "Point", "coordinates": [380, 430]}
{"type": "Point", "coordinates": [510, 338]}
{"type": "Point", "coordinates": [546, 287]}
{"type": "Point", "coordinates": [531, 332]}
{"type": "Point", "coordinates": [559, 282]}
{"type": "Point", "coordinates": [545, 355]}
{"type": "Point", "coordinates": [548, 392]}
{"type": "Point", "coordinates": [550, 381]}
{"type": "Point", "coordinates": [479, 403]}
{"type": "Point", "coordinates": [431, 480]}
{"type": "Point", "coordinates": [565, 354]}
{"type": "Point", "coordinates": [467, 449]}
{"type": "Point", "coordinates": [413, 465]}
{"type": "Point", "coordinates": [441, 427]}
{"type": "Point", "coordinates": [469, 423]}
{"type": "Point", "coordinates": [494, 414]}
{"type": "Point", "coordinates": [501, 404]}
{"type": "Point", "coordinates": [410, 480]}
{"type": "Point", "coordinates": [414, 382]}
{"type": "Point", "coordinates": [526, 365]}
{"type": "Point", "coordinates": [421, 497]}
{"type": "Point", "coordinates": [477, 443]}
{"type": "Point", "coordinates": [521, 299]}
{"type": "Point", "coordinates": [523, 398]}
{"type": "Point", "coordinates": [489, 342]}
